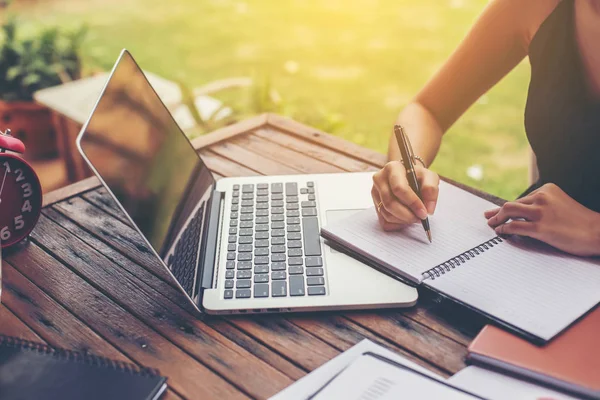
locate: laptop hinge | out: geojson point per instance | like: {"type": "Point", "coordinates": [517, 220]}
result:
{"type": "Point", "coordinates": [211, 240]}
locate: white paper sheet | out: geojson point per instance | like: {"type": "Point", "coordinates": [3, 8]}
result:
{"type": "Point", "coordinates": [369, 378]}
{"type": "Point", "coordinates": [309, 384]}
{"type": "Point", "coordinates": [495, 386]}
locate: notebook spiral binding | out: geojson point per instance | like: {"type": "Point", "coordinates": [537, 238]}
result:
{"type": "Point", "coordinates": [454, 262]}
{"type": "Point", "coordinates": [90, 359]}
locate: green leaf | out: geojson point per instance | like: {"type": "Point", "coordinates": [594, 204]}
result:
{"type": "Point", "coordinates": [13, 72]}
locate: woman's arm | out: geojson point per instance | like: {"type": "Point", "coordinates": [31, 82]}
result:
{"type": "Point", "coordinates": [497, 42]}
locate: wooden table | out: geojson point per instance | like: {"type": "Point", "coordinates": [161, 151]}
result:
{"type": "Point", "coordinates": [86, 282]}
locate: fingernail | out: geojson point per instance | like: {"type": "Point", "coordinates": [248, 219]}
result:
{"type": "Point", "coordinates": [422, 213]}
{"type": "Point", "coordinates": [430, 207]}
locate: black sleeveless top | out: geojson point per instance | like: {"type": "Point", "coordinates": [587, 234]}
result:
{"type": "Point", "coordinates": [562, 117]}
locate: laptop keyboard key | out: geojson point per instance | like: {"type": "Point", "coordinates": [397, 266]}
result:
{"type": "Point", "coordinates": [295, 253]}
{"type": "Point", "coordinates": [243, 284]}
{"type": "Point", "coordinates": [314, 271]}
{"type": "Point", "coordinates": [243, 256]}
{"type": "Point", "coordinates": [261, 269]}
{"type": "Point", "coordinates": [277, 218]}
{"type": "Point", "coordinates": [232, 231]}
{"type": "Point", "coordinates": [245, 248]}
{"type": "Point", "coordinates": [242, 294]}
{"type": "Point", "coordinates": [247, 196]}
{"type": "Point", "coordinates": [230, 265]}
{"type": "Point", "coordinates": [277, 203]}
{"type": "Point", "coordinates": [293, 221]}
{"type": "Point", "coordinates": [261, 235]}
{"type": "Point", "coordinates": [315, 281]}
{"type": "Point", "coordinates": [295, 261]}
{"type": "Point", "coordinates": [262, 213]}
{"type": "Point", "coordinates": [245, 240]}
{"type": "Point", "coordinates": [309, 212]}
{"type": "Point", "coordinates": [277, 275]}
{"type": "Point", "coordinates": [262, 186]}
{"type": "Point", "coordinates": [231, 247]}
{"type": "Point", "coordinates": [291, 206]}
{"type": "Point", "coordinates": [228, 294]}
{"type": "Point", "coordinates": [291, 189]}
{"type": "Point", "coordinates": [293, 228]}
{"type": "Point", "coordinates": [247, 203]}
{"type": "Point", "coordinates": [277, 232]}
{"type": "Point", "coordinates": [278, 266]}
{"type": "Point", "coordinates": [277, 257]}
{"type": "Point", "coordinates": [276, 188]}
{"type": "Point", "coordinates": [279, 288]}
{"type": "Point", "coordinates": [262, 228]}
{"type": "Point", "coordinates": [262, 220]}
{"type": "Point", "coordinates": [294, 244]}
{"type": "Point", "coordinates": [296, 285]}
{"type": "Point", "coordinates": [277, 210]}
{"type": "Point", "coordinates": [232, 239]}
{"type": "Point", "coordinates": [246, 232]}
{"type": "Point", "coordinates": [306, 204]}
{"type": "Point", "coordinates": [246, 217]}
{"type": "Point", "coordinates": [261, 260]}
{"type": "Point", "coordinates": [312, 197]}
{"type": "Point", "coordinates": [248, 188]}
{"type": "Point", "coordinates": [278, 240]}
{"type": "Point", "coordinates": [247, 210]}
{"type": "Point", "coordinates": [316, 290]}
{"type": "Point", "coordinates": [314, 262]}
{"type": "Point", "coordinates": [278, 249]}
{"type": "Point", "coordinates": [262, 206]}
{"type": "Point", "coordinates": [294, 236]}
{"type": "Point", "coordinates": [231, 256]}
{"type": "Point", "coordinates": [277, 196]}
{"type": "Point", "coordinates": [261, 290]}
{"type": "Point", "coordinates": [262, 278]}
{"type": "Point", "coordinates": [246, 274]}
{"type": "Point", "coordinates": [262, 199]}
{"type": "Point", "coordinates": [229, 274]}
{"type": "Point", "coordinates": [296, 270]}
{"type": "Point", "coordinates": [310, 184]}
{"type": "Point", "coordinates": [310, 231]}
{"type": "Point", "coordinates": [229, 284]}
{"type": "Point", "coordinates": [278, 225]}
{"type": "Point", "coordinates": [261, 243]}
{"type": "Point", "coordinates": [292, 213]}
{"type": "Point", "coordinates": [244, 265]}
{"type": "Point", "coordinates": [261, 251]}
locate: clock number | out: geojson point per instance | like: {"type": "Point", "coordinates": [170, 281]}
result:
{"type": "Point", "coordinates": [5, 233]}
{"type": "Point", "coordinates": [26, 206]}
{"type": "Point", "coordinates": [26, 189]}
{"type": "Point", "coordinates": [7, 166]}
{"type": "Point", "coordinates": [20, 173]}
{"type": "Point", "coordinates": [19, 223]}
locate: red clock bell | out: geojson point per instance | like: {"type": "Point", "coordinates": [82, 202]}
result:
{"type": "Point", "coordinates": [20, 193]}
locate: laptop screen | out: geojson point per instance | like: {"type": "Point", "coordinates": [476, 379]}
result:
{"type": "Point", "coordinates": [147, 162]}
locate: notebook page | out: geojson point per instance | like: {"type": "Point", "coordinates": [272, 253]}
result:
{"type": "Point", "coordinates": [457, 225]}
{"type": "Point", "coordinates": [528, 285]}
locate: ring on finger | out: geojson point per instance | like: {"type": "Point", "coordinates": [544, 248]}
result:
{"type": "Point", "coordinates": [379, 207]}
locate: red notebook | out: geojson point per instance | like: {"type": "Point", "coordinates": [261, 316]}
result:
{"type": "Point", "coordinates": [571, 362]}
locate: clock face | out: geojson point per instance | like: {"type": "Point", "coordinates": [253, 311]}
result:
{"type": "Point", "coordinates": [20, 199]}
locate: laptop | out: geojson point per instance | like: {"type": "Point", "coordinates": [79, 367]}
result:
{"type": "Point", "coordinates": [233, 245]}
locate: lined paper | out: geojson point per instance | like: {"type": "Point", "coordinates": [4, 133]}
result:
{"type": "Point", "coordinates": [527, 284]}
{"type": "Point", "coordinates": [457, 225]}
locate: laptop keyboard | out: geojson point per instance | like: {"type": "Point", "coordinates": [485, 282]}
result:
{"type": "Point", "coordinates": [183, 261]}
{"type": "Point", "coordinates": [274, 247]}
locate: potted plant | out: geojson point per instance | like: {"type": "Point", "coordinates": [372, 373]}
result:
{"type": "Point", "coordinates": [27, 64]}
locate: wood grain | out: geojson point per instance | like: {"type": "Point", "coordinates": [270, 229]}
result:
{"type": "Point", "coordinates": [135, 339]}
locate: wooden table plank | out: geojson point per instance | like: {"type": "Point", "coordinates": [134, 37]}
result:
{"type": "Point", "coordinates": [218, 353]}
{"type": "Point", "coordinates": [12, 326]}
{"type": "Point", "coordinates": [135, 339]}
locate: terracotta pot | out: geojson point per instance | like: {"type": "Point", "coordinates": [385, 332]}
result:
{"type": "Point", "coordinates": [32, 124]}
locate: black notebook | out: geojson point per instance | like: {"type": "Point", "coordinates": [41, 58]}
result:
{"type": "Point", "coordinates": [34, 371]}
{"type": "Point", "coordinates": [524, 285]}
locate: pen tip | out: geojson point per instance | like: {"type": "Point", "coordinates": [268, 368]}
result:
{"type": "Point", "coordinates": [428, 235]}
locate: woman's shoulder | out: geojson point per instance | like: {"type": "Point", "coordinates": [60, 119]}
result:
{"type": "Point", "coordinates": [531, 14]}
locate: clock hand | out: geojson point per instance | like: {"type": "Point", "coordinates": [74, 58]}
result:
{"type": "Point", "coordinates": [2, 187]}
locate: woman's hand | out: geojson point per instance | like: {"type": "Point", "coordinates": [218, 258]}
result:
{"type": "Point", "coordinates": [396, 203]}
{"type": "Point", "coordinates": [550, 215]}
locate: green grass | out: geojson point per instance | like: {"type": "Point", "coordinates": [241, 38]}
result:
{"type": "Point", "coordinates": [358, 61]}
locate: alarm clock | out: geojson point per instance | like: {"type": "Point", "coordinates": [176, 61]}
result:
{"type": "Point", "coordinates": [20, 193]}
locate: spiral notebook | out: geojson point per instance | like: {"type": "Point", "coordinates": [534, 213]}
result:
{"type": "Point", "coordinates": [31, 370]}
{"type": "Point", "coordinates": [524, 285]}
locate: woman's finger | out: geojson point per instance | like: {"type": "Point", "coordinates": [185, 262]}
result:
{"type": "Point", "coordinates": [402, 191]}
{"type": "Point", "coordinates": [490, 213]}
{"type": "Point", "coordinates": [522, 228]}
{"type": "Point", "coordinates": [514, 210]}
{"type": "Point", "coordinates": [430, 186]}
{"type": "Point", "coordinates": [382, 213]}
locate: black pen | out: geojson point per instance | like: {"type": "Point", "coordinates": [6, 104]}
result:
{"type": "Point", "coordinates": [411, 176]}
